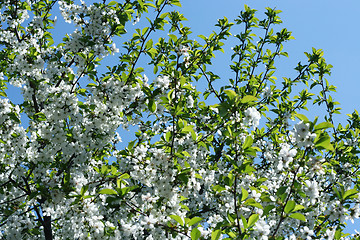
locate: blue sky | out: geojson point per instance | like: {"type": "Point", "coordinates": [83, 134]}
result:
{"type": "Point", "coordinates": [330, 25]}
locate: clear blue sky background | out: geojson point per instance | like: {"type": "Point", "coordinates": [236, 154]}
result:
{"type": "Point", "coordinates": [326, 24]}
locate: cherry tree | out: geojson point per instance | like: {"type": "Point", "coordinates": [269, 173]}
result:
{"type": "Point", "coordinates": [239, 161]}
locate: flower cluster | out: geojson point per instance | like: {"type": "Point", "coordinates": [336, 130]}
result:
{"type": "Point", "coordinates": [302, 135]}
{"type": "Point", "coordinates": [252, 117]}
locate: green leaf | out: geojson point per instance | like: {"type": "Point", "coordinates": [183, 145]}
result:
{"type": "Point", "coordinates": [243, 221]}
{"type": "Point", "coordinates": [215, 235]}
{"type": "Point", "coordinates": [194, 220]}
{"type": "Point", "coordinates": [84, 190]}
{"type": "Point", "coordinates": [248, 169]}
{"type": "Point", "coordinates": [198, 176]}
{"type": "Point", "coordinates": [298, 216]}
{"type": "Point", "coordinates": [252, 202]}
{"type": "Point", "coordinates": [195, 234]}
{"type": "Point", "coordinates": [350, 193]}
{"type": "Point", "coordinates": [218, 188]}
{"type": "Point", "coordinates": [185, 153]}
{"type": "Point", "coordinates": [337, 234]}
{"type": "Point", "coordinates": [40, 116]}
{"type": "Point", "coordinates": [2, 93]}
{"type": "Point", "coordinates": [50, 41]}
{"type": "Point", "coordinates": [173, 37]}
{"type": "Point", "coordinates": [338, 193]}
{"type": "Point", "coordinates": [164, 15]}
{"type": "Point", "coordinates": [267, 209]}
{"type": "Point", "coordinates": [248, 142]}
{"type": "Point", "coordinates": [177, 219]}
{"type": "Point", "coordinates": [107, 191]}
{"type": "Point", "coordinates": [281, 193]}
{"type": "Point", "coordinates": [249, 98]}
{"type": "Point", "coordinates": [149, 43]}
{"type": "Point", "coordinates": [126, 190]}
{"type": "Point", "coordinates": [230, 93]}
{"type": "Point", "coordinates": [124, 176]}
{"type": "Point", "coordinates": [193, 135]}
{"type": "Point", "coordinates": [155, 68]}
{"type": "Point", "coordinates": [302, 117]}
{"type": "Point", "coordinates": [324, 142]}
{"type": "Point", "coordinates": [223, 109]}
{"type": "Point", "coordinates": [175, 3]}
{"type": "Point", "coordinates": [244, 194]}
{"type": "Point", "coordinates": [82, 91]}
{"type": "Point", "coordinates": [187, 129]}
{"type": "Point", "coordinates": [229, 180]}
{"type": "Point", "coordinates": [90, 85]}
{"type": "Point", "coordinates": [232, 235]}
{"type": "Point", "coordinates": [252, 220]}
{"type": "Point", "coordinates": [281, 190]}
{"type": "Point", "coordinates": [323, 125]}
{"type": "Point", "coordinates": [153, 52]}
{"type": "Point", "coordinates": [289, 207]}
{"type": "Point", "coordinates": [250, 151]}
{"type": "Point", "coordinates": [298, 207]}
{"type": "Point", "coordinates": [112, 3]}
{"type": "Point", "coordinates": [152, 105]}
{"type": "Point", "coordinates": [168, 136]}
{"type": "Point", "coordinates": [104, 169]}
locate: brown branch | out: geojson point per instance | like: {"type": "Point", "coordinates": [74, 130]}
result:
{"type": "Point", "coordinates": [235, 205]}
{"type": "Point", "coordinates": [144, 41]}
{"type": "Point", "coordinates": [210, 85]}
{"type": "Point", "coordinates": [287, 199]}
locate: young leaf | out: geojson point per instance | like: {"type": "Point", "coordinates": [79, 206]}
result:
{"type": "Point", "coordinates": [187, 129]}
{"type": "Point", "coordinates": [297, 208]}
{"type": "Point", "coordinates": [281, 190]}
{"type": "Point", "coordinates": [244, 194]}
{"type": "Point", "coordinates": [215, 235]}
{"type": "Point", "coordinates": [324, 142]}
{"type": "Point", "coordinates": [338, 193]}
{"type": "Point", "coordinates": [195, 234]}
{"type": "Point", "coordinates": [289, 207]}
{"type": "Point", "coordinates": [177, 219]}
{"type": "Point", "coordinates": [244, 221]}
{"type": "Point", "coordinates": [230, 93]}
{"type": "Point", "coordinates": [302, 117]}
{"type": "Point", "coordinates": [350, 193]}
{"type": "Point", "coordinates": [107, 191]}
{"type": "Point", "coordinates": [323, 125]}
{"type": "Point", "coordinates": [267, 209]}
{"type": "Point", "coordinates": [252, 220]}
{"type": "Point", "coordinates": [168, 136]}
{"type": "Point", "coordinates": [194, 220]}
{"type": "Point", "coordinates": [249, 98]}
{"type": "Point", "coordinates": [248, 142]}
{"type": "Point", "coordinates": [252, 202]}
{"type": "Point", "coordinates": [298, 216]}
{"type": "Point", "coordinates": [173, 37]}
{"type": "Point", "coordinates": [175, 3]}
{"type": "Point", "coordinates": [84, 190]}
{"type": "Point", "coordinates": [152, 105]}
